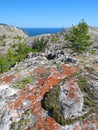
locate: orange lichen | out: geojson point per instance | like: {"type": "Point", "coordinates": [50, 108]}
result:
{"type": "Point", "coordinates": [48, 83]}
{"type": "Point", "coordinates": [35, 95]}
{"type": "Point", "coordinates": [40, 70]}
{"type": "Point", "coordinates": [69, 71]}
{"type": "Point", "coordinates": [40, 123]}
{"type": "Point", "coordinates": [85, 122]}
{"type": "Point", "coordinates": [74, 91]}
{"type": "Point", "coordinates": [90, 123]}
{"type": "Point", "coordinates": [11, 105]}
{"type": "Point", "coordinates": [77, 128]}
{"type": "Point", "coordinates": [7, 79]}
{"type": "Point", "coordinates": [36, 108]}
{"type": "Point", "coordinates": [50, 124]}
{"type": "Point", "coordinates": [71, 93]}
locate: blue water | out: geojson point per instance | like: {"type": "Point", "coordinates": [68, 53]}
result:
{"type": "Point", "coordinates": [39, 31]}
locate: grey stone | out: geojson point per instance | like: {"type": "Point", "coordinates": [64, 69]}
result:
{"type": "Point", "coordinates": [70, 107]}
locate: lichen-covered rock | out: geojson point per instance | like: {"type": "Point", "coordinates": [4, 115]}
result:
{"type": "Point", "coordinates": [23, 89]}
{"type": "Point", "coordinates": [71, 99]}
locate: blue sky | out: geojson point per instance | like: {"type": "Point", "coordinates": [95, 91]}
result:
{"type": "Point", "coordinates": [48, 13]}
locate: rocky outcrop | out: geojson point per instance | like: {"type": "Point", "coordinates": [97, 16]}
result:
{"type": "Point", "coordinates": [9, 36]}
{"type": "Point", "coordinates": [24, 86]}
{"type": "Point", "coordinates": [11, 31]}
{"type": "Point", "coordinates": [23, 108]}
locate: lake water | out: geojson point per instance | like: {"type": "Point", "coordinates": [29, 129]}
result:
{"type": "Point", "coordinates": [39, 31]}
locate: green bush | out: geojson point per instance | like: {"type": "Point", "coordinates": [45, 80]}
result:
{"type": "Point", "coordinates": [4, 65]}
{"type": "Point", "coordinates": [2, 37]}
{"type": "Point", "coordinates": [54, 38]}
{"type": "Point", "coordinates": [18, 37]}
{"type": "Point", "coordinates": [13, 55]}
{"type": "Point", "coordinates": [78, 38]}
{"type": "Point", "coordinates": [39, 45]}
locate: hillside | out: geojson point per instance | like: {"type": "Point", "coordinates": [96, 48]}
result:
{"type": "Point", "coordinates": [10, 35]}
{"type": "Point", "coordinates": [11, 31]}
{"type": "Point", "coordinates": [50, 89]}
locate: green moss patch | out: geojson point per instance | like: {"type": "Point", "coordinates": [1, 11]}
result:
{"type": "Point", "coordinates": [21, 84]}
{"type": "Point", "coordinates": [51, 104]}
{"type": "Point", "coordinates": [25, 121]}
{"type": "Point", "coordinates": [89, 94]}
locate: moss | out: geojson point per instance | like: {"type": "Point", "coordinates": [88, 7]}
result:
{"type": "Point", "coordinates": [51, 101]}
{"type": "Point", "coordinates": [28, 112]}
{"type": "Point", "coordinates": [51, 104]}
{"type": "Point", "coordinates": [23, 122]}
{"type": "Point", "coordinates": [89, 69]}
{"type": "Point", "coordinates": [89, 96]}
{"type": "Point", "coordinates": [13, 126]}
{"type": "Point", "coordinates": [18, 129]}
{"type": "Point", "coordinates": [89, 102]}
{"type": "Point", "coordinates": [58, 117]}
{"type": "Point", "coordinates": [84, 86]}
{"type": "Point", "coordinates": [51, 98]}
{"type": "Point", "coordinates": [21, 84]}
{"type": "Point", "coordinates": [44, 75]}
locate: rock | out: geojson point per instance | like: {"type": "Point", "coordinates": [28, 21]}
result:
{"type": "Point", "coordinates": [51, 56]}
{"type": "Point", "coordinates": [94, 85]}
{"type": "Point", "coordinates": [70, 59]}
{"type": "Point", "coordinates": [32, 45]}
{"type": "Point", "coordinates": [71, 99]}
{"type": "Point", "coordinates": [11, 31]}
{"type": "Point", "coordinates": [96, 59]}
{"type": "Point", "coordinates": [39, 72]}
{"type": "Point", "coordinates": [95, 45]}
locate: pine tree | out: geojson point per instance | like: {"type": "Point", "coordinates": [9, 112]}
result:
{"type": "Point", "coordinates": [78, 38]}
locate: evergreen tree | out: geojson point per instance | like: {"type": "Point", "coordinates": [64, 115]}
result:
{"type": "Point", "coordinates": [78, 38]}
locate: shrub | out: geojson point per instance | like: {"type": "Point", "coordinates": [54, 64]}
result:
{"type": "Point", "coordinates": [39, 45]}
{"type": "Point", "coordinates": [18, 37]}
{"type": "Point", "coordinates": [4, 66]}
{"type": "Point", "coordinates": [2, 37]}
{"type": "Point", "coordinates": [17, 53]}
{"type": "Point", "coordinates": [54, 38]}
{"type": "Point", "coordinates": [78, 38]}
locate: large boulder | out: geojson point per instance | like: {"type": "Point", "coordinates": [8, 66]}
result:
{"type": "Point", "coordinates": [71, 99]}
